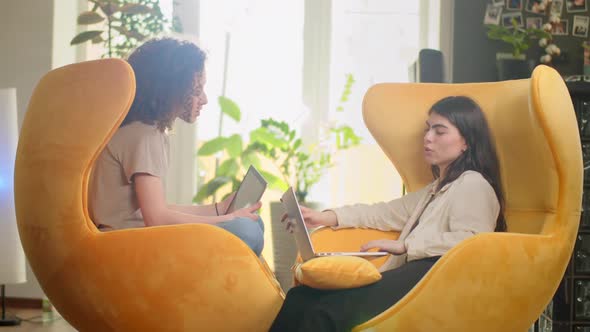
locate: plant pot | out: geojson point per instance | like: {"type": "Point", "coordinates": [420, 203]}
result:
{"type": "Point", "coordinates": [510, 68]}
{"type": "Point", "coordinates": [284, 247]}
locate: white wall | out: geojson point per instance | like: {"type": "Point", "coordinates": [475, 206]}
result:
{"type": "Point", "coordinates": [35, 38]}
{"type": "Point", "coordinates": [65, 28]}
{"type": "Point", "coordinates": [26, 34]}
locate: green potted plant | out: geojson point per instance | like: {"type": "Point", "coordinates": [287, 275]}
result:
{"type": "Point", "coordinates": [278, 152]}
{"type": "Point", "coordinates": [514, 65]}
{"type": "Point", "coordinates": [233, 157]}
{"type": "Point", "coordinates": [296, 164]}
{"type": "Point", "coordinates": [293, 163]}
{"type": "Point", "coordinates": [299, 165]}
{"type": "Point", "coordinates": [122, 24]}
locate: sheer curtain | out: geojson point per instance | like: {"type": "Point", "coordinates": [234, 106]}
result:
{"type": "Point", "coordinates": [264, 61]}
{"type": "Point", "coordinates": [375, 41]}
{"type": "Point", "coordinates": [288, 60]}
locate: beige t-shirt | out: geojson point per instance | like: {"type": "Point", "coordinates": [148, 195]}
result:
{"type": "Point", "coordinates": [134, 148]}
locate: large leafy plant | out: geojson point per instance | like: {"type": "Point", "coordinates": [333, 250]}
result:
{"type": "Point", "coordinates": [294, 163]}
{"type": "Point", "coordinates": [235, 156]}
{"type": "Point", "coordinates": [298, 164]}
{"type": "Point", "coordinates": [120, 25]}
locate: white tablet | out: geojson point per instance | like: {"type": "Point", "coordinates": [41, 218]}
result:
{"type": "Point", "coordinates": [249, 192]}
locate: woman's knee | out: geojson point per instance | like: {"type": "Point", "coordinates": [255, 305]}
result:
{"type": "Point", "coordinates": [250, 231]}
{"type": "Point", "coordinates": [319, 319]}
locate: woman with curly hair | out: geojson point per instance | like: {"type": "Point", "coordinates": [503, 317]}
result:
{"type": "Point", "coordinates": [127, 182]}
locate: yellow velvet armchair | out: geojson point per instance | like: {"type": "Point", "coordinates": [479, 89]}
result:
{"type": "Point", "coordinates": [496, 281]}
{"type": "Point", "coordinates": [171, 278]}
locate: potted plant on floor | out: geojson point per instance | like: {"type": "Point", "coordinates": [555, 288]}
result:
{"type": "Point", "coordinates": [277, 150]}
{"type": "Point", "coordinates": [300, 166]}
{"type": "Point", "coordinates": [293, 163]}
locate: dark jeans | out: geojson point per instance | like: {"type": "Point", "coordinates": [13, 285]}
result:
{"type": "Point", "coordinates": [309, 309]}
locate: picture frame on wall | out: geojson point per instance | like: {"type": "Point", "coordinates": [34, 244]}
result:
{"type": "Point", "coordinates": [557, 7]}
{"type": "Point", "coordinates": [580, 26]}
{"type": "Point", "coordinates": [534, 22]}
{"type": "Point", "coordinates": [498, 3]}
{"type": "Point", "coordinates": [493, 15]}
{"type": "Point", "coordinates": [576, 6]}
{"type": "Point", "coordinates": [514, 4]}
{"type": "Point", "coordinates": [560, 29]}
{"type": "Point", "coordinates": [507, 19]}
{"type": "Point", "coordinates": [532, 6]}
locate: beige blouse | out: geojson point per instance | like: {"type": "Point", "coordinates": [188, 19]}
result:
{"type": "Point", "coordinates": [460, 209]}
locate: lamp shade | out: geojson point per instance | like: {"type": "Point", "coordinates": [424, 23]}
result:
{"type": "Point", "coordinates": [12, 257]}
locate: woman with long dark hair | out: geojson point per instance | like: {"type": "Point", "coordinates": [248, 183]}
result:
{"type": "Point", "coordinates": [127, 182]}
{"type": "Point", "coordinates": [464, 199]}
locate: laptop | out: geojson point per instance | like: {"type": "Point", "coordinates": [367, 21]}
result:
{"type": "Point", "coordinates": [301, 234]}
{"type": "Point", "coordinates": [249, 192]}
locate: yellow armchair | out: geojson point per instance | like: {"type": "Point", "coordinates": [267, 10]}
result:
{"type": "Point", "coordinates": [494, 281]}
{"type": "Point", "coordinates": [170, 278]}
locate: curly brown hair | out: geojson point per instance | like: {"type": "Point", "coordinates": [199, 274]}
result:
{"type": "Point", "coordinates": [165, 70]}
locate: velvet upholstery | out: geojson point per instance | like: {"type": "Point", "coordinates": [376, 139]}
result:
{"type": "Point", "coordinates": [336, 272]}
{"type": "Point", "coordinates": [169, 278]}
{"type": "Point", "coordinates": [493, 281]}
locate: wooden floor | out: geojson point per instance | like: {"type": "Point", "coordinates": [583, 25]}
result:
{"type": "Point", "coordinates": [33, 322]}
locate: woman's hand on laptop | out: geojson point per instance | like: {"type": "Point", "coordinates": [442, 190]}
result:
{"type": "Point", "coordinates": [391, 246]}
{"type": "Point", "coordinates": [315, 218]}
{"type": "Point", "coordinates": [247, 212]}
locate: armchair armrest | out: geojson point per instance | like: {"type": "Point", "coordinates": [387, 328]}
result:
{"type": "Point", "coordinates": [184, 277]}
{"type": "Point", "coordinates": [492, 281]}
{"type": "Point", "coordinates": [326, 239]}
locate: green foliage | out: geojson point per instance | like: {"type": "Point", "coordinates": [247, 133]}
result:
{"type": "Point", "coordinates": [518, 38]}
{"type": "Point", "coordinates": [235, 156]}
{"type": "Point", "coordinates": [126, 24]}
{"type": "Point", "coordinates": [346, 92]}
{"type": "Point", "coordinates": [294, 163]}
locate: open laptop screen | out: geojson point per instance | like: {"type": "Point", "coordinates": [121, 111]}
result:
{"type": "Point", "coordinates": [300, 232]}
{"type": "Point", "coordinates": [249, 192]}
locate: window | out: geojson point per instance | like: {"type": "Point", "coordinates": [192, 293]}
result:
{"type": "Point", "coordinates": [375, 41]}
{"type": "Point", "coordinates": [288, 60]}
{"type": "Point", "coordinates": [263, 73]}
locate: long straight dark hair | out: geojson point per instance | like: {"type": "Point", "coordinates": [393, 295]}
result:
{"type": "Point", "coordinates": [480, 155]}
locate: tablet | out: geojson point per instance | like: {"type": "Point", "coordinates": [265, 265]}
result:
{"type": "Point", "coordinates": [249, 192]}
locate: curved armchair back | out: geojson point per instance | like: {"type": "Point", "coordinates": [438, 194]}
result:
{"type": "Point", "coordinates": [72, 113]}
{"type": "Point", "coordinates": [192, 277]}
{"type": "Point", "coordinates": [492, 281]}
{"type": "Point", "coordinates": [535, 131]}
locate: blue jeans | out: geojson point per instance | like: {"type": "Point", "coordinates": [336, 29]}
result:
{"type": "Point", "coordinates": [250, 231]}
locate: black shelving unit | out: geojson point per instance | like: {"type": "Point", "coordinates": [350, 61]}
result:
{"type": "Point", "coordinates": [571, 303]}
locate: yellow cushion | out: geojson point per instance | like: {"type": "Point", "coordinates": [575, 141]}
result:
{"type": "Point", "coordinates": [337, 272]}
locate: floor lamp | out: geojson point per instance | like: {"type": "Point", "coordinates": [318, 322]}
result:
{"type": "Point", "coordinates": [12, 258]}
